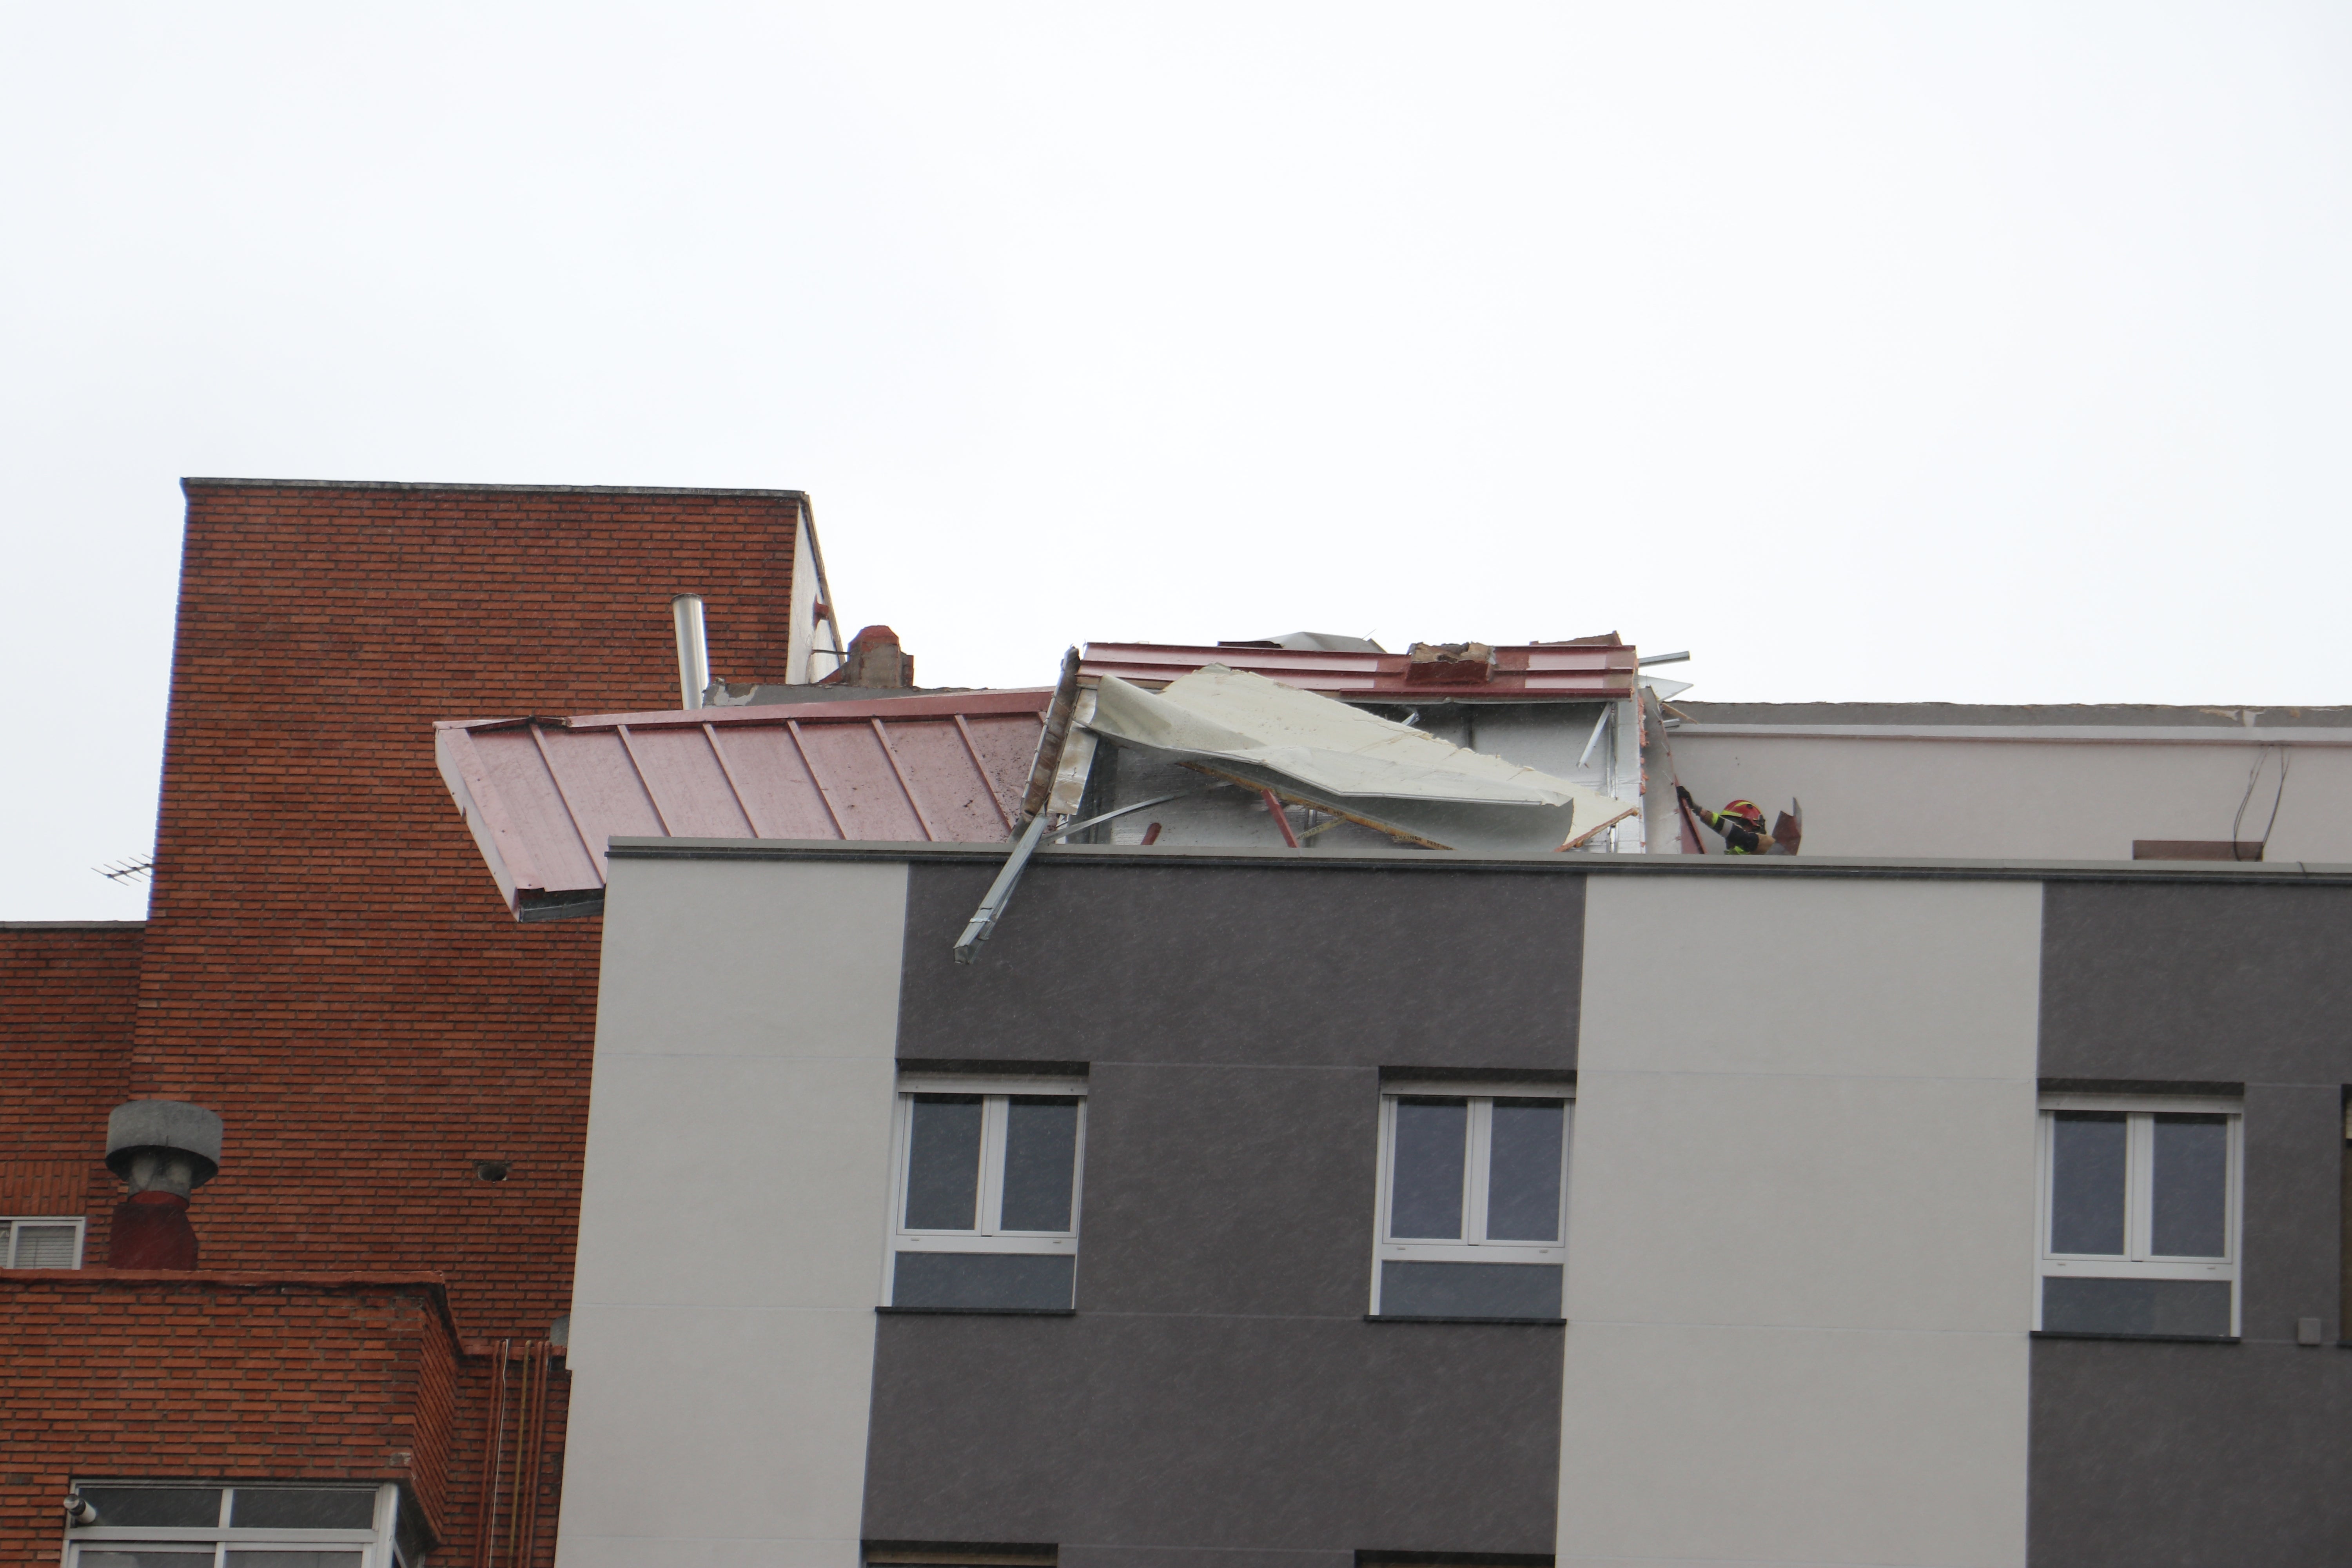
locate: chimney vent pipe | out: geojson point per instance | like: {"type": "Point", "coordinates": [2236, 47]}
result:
{"type": "Point", "coordinates": [693, 651]}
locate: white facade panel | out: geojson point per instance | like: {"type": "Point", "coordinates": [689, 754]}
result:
{"type": "Point", "coordinates": [2024, 799]}
{"type": "Point", "coordinates": [1802, 1222]}
{"type": "Point", "coordinates": [730, 1233]}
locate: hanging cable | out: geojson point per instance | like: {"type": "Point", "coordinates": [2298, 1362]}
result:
{"type": "Point", "coordinates": [2237, 823]}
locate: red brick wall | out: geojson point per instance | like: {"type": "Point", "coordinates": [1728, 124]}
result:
{"type": "Point", "coordinates": [202, 1376]}
{"type": "Point", "coordinates": [69, 993]}
{"type": "Point", "coordinates": [326, 962]}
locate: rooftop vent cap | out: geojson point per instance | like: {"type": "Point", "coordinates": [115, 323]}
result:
{"type": "Point", "coordinates": [167, 1145]}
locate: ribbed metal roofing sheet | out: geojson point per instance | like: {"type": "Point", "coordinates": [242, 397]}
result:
{"type": "Point", "coordinates": [1541, 673]}
{"type": "Point", "coordinates": [543, 796]}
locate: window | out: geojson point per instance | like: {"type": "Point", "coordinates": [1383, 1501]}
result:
{"type": "Point", "coordinates": [2140, 1215]}
{"type": "Point", "coordinates": [985, 1207]}
{"type": "Point", "coordinates": [41, 1242]}
{"type": "Point", "coordinates": [1472, 1183]}
{"type": "Point", "coordinates": [145, 1524]}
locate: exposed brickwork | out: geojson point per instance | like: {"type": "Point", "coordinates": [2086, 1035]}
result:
{"type": "Point", "coordinates": [69, 995]}
{"type": "Point", "coordinates": [217, 1377]}
{"type": "Point", "coordinates": [328, 964]}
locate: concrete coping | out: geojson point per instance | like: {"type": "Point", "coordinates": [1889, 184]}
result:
{"type": "Point", "coordinates": [2270, 873]}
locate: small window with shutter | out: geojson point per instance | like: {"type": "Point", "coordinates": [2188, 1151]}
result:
{"type": "Point", "coordinates": [39, 1241]}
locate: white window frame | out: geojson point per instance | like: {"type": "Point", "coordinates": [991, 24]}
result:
{"type": "Point", "coordinates": [996, 1093]}
{"type": "Point", "coordinates": [1477, 1174]}
{"type": "Point", "coordinates": [375, 1544]}
{"type": "Point", "coordinates": [2140, 1261]}
{"type": "Point", "coordinates": [8, 1224]}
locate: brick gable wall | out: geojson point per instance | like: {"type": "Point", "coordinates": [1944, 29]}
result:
{"type": "Point", "coordinates": [327, 964]}
{"type": "Point", "coordinates": [327, 961]}
{"type": "Point", "coordinates": [68, 994]}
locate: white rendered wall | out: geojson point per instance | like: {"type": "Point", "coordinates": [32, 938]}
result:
{"type": "Point", "coordinates": [800, 638]}
{"type": "Point", "coordinates": [732, 1214]}
{"type": "Point", "coordinates": [2011, 800]}
{"type": "Point", "coordinates": [1800, 1234]}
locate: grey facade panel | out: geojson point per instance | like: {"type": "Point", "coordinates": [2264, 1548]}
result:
{"type": "Point", "coordinates": [2162, 1454]}
{"type": "Point", "coordinates": [1365, 967]}
{"type": "Point", "coordinates": [2218, 984]}
{"type": "Point", "coordinates": [1118, 1434]}
{"type": "Point", "coordinates": [1234, 1190]}
{"type": "Point", "coordinates": [2173, 1455]}
{"type": "Point", "coordinates": [1219, 1396]}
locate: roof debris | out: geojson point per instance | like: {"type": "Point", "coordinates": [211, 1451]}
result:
{"type": "Point", "coordinates": [1321, 753]}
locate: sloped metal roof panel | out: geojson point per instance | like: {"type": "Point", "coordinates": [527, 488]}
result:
{"type": "Point", "coordinates": [543, 796]}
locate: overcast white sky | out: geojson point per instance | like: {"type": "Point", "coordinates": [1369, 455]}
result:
{"type": "Point", "coordinates": [1971, 351]}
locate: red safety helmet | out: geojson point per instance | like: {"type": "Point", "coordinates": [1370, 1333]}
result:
{"type": "Point", "coordinates": [1747, 812]}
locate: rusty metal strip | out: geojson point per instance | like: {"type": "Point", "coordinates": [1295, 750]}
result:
{"type": "Point", "coordinates": [793, 727]}
{"type": "Point", "coordinates": [1281, 817]}
{"type": "Point", "coordinates": [522, 1448]}
{"type": "Point", "coordinates": [493, 1441]}
{"type": "Point", "coordinates": [644, 783]}
{"type": "Point", "coordinates": [1579, 840]}
{"type": "Point", "coordinates": [710, 733]}
{"type": "Point", "coordinates": [891, 753]}
{"type": "Point", "coordinates": [1401, 835]}
{"type": "Point", "coordinates": [547, 760]}
{"type": "Point", "coordinates": [1050, 739]}
{"type": "Point", "coordinates": [971, 749]}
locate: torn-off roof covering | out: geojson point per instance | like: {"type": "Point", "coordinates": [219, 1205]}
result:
{"type": "Point", "coordinates": [543, 796]}
{"type": "Point", "coordinates": [1385, 774]}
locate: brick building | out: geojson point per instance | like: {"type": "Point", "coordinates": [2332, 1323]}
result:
{"type": "Point", "coordinates": [401, 1067]}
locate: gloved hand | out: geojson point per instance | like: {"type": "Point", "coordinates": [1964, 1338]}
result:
{"type": "Point", "coordinates": [1685, 796]}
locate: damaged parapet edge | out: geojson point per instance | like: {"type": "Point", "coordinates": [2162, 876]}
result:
{"type": "Point", "coordinates": [1046, 774]}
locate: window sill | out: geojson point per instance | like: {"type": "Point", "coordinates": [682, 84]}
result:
{"type": "Point", "coordinates": [978, 1312]}
{"type": "Point", "coordinates": [2140, 1339]}
{"type": "Point", "coordinates": [1523, 1323]}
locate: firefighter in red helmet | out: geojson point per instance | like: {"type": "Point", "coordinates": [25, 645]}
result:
{"type": "Point", "coordinates": [1740, 822]}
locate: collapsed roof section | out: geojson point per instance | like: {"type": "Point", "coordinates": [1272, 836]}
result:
{"type": "Point", "coordinates": [1565, 713]}
{"type": "Point", "coordinates": [1376, 772]}
{"type": "Point", "coordinates": [543, 796]}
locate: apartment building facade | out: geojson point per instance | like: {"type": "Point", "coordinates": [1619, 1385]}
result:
{"type": "Point", "coordinates": [1252, 1206]}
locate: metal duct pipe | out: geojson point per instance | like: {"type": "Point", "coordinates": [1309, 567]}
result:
{"type": "Point", "coordinates": [693, 651]}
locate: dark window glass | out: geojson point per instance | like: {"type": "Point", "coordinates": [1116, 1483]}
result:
{"type": "Point", "coordinates": [1523, 1172]}
{"type": "Point", "coordinates": [1041, 1155]}
{"type": "Point", "coordinates": [181, 1508]}
{"type": "Point", "coordinates": [342, 1557]}
{"type": "Point", "coordinates": [2192, 1186]}
{"type": "Point", "coordinates": [2082, 1306]}
{"type": "Point", "coordinates": [1001, 1279]}
{"type": "Point", "coordinates": [1425, 1198]}
{"type": "Point", "coordinates": [303, 1507]}
{"type": "Point", "coordinates": [150, 1557]}
{"type": "Point", "coordinates": [1470, 1290]}
{"type": "Point", "coordinates": [943, 1165]}
{"type": "Point", "coordinates": [2086, 1183]}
